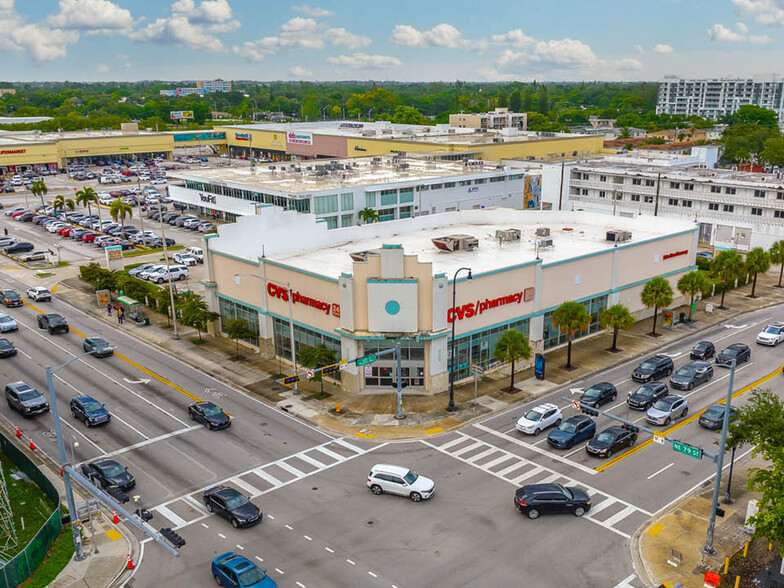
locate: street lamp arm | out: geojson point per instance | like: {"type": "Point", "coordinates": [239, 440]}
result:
{"type": "Point", "coordinates": [70, 361]}
{"type": "Point", "coordinates": [451, 406]}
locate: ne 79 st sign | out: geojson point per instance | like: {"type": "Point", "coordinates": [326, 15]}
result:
{"type": "Point", "coordinates": [694, 452]}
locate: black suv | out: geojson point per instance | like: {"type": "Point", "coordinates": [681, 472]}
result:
{"type": "Point", "coordinates": [703, 350]}
{"type": "Point", "coordinates": [10, 298]}
{"type": "Point", "coordinates": [107, 473]}
{"type": "Point", "coordinates": [599, 394]}
{"type": "Point", "coordinates": [54, 323]}
{"type": "Point", "coordinates": [653, 368]}
{"type": "Point", "coordinates": [231, 505]}
{"type": "Point", "coordinates": [536, 499]}
{"type": "Point", "coordinates": [644, 396]}
{"type": "Point", "coordinates": [740, 352]}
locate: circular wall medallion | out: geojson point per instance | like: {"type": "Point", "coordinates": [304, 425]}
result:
{"type": "Point", "coordinates": [392, 307]}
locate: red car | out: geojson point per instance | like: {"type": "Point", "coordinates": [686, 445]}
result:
{"type": "Point", "coordinates": [88, 237]}
{"type": "Point", "coordinates": [18, 214]}
{"type": "Point", "coordinates": [66, 231]}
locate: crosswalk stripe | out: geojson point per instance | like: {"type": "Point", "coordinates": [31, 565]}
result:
{"type": "Point", "coordinates": [478, 456]}
{"type": "Point", "coordinates": [290, 469]}
{"type": "Point", "coordinates": [175, 519]}
{"type": "Point", "coordinates": [245, 486]}
{"type": "Point", "coordinates": [529, 474]}
{"type": "Point", "coordinates": [609, 501]}
{"type": "Point", "coordinates": [348, 445]}
{"type": "Point", "coordinates": [497, 461]}
{"type": "Point", "coordinates": [310, 460]}
{"type": "Point", "coordinates": [195, 504]}
{"type": "Point", "coordinates": [550, 479]}
{"type": "Point", "coordinates": [618, 516]}
{"type": "Point", "coordinates": [268, 477]}
{"type": "Point", "coordinates": [515, 466]}
{"type": "Point", "coordinates": [332, 454]}
{"type": "Point", "coordinates": [452, 443]}
{"type": "Point", "coordinates": [463, 450]}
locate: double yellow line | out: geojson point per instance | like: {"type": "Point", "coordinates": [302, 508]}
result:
{"type": "Point", "coordinates": [686, 421]}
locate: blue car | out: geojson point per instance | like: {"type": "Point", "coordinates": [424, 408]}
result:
{"type": "Point", "coordinates": [572, 431]}
{"type": "Point", "coordinates": [236, 571]}
{"type": "Point", "coordinates": [88, 410]}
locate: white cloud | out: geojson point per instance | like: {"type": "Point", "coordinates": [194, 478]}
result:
{"type": "Point", "coordinates": [768, 12]}
{"type": "Point", "coordinates": [663, 49]}
{"type": "Point", "coordinates": [342, 38]}
{"type": "Point", "coordinates": [192, 25]}
{"type": "Point", "coordinates": [365, 61]}
{"type": "Point", "coordinates": [102, 68]}
{"type": "Point", "coordinates": [723, 34]}
{"type": "Point", "coordinates": [93, 17]}
{"type": "Point", "coordinates": [627, 64]}
{"type": "Point", "coordinates": [639, 49]}
{"type": "Point", "coordinates": [442, 35]}
{"type": "Point", "coordinates": [515, 38]}
{"type": "Point", "coordinates": [39, 41]}
{"type": "Point", "coordinates": [313, 11]}
{"type": "Point", "coordinates": [561, 53]}
{"type": "Point", "coordinates": [300, 72]}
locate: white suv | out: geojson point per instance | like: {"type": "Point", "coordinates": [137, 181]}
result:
{"type": "Point", "coordinates": [772, 335]}
{"type": "Point", "coordinates": [539, 418]}
{"type": "Point", "coordinates": [398, 480]}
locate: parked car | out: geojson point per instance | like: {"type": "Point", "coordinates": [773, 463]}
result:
{"type": "Point", "coordinates": [7, 348]}
{"type": "Point", "coordinates": [54, 323]}
{"type": "Point", "coordinates": [185, 259]}
{"type": "Point", "coordinates": [33, 256]}
{"type": "Point", "coordinates": [237, 571]}
{"type": "Point", "coordinates": [97, 346]}
{"type": "Point", "coordinates": [88, 410]}
{"type": "Point", "coordinates": [25, 399]}
{"type": "Point", "coordinates": [107, 473]}
{"type": "Point", "coordinates": [572, 431]}
{"type": "Point", "coordinates": [739, 352]}
{"type": "Point", "coordinates": [392, 479]}
{"type": "Point", "coordinates": [536, 499]}
{"type": "Point", "coordinates": [230, 504]}
{"type": "Point", "coordinates": [653, 368]}
{"type": "Point", "coordinates": [609, 441]}
{"type": "Point", "coordinates": [599, 394]}
{"type": "Point", "coordinates": [692, 375]}
{"type": "Point", "coordinates": [644, 396]}
{"type": "Point", "coordinates": [667, 409]}
{"type": "Point", "coordinates": [539, 418]}
{"type": "Point", "coordinates": [209, 414]}
{"type": "Point", "coordinates": [10, 298]}
{"type": "Point", "coordinates": [21, 247]}
{"type": "Point", "coordinates": [713, 417]}
{"type": "Point", "coordinates": [175, 272]}
{"type": "Point", "coordinates": [196, 252]}
{"type": "Point", "coordinates": [772, 335]}
{"type": "Point", "coordinates": [7, 323]}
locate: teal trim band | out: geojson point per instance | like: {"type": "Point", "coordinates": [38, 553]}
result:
{"type": "Point", "coordinates": [583, 299]}
{"type": "Point", "coordinates": [641, 282]}
{"type": "Point", "coordinates": [300, 271]}
{"type": "Point", "coordinates": [234, 257]}
{"type": "Point", "coordinates": [392, 247]}
{"type": "Point", "coordinates": [488, 327]}
{"type": "Point", "coordinates": [346, 275]}
{"type": "Point", "coordinates": [211, 236]}
{"type": "Point", "coordinates": [441, 275]}
{"type": "Point", "coordinates": [503, 269]}
{"type": "Point", "coordinates": [348, 335]}
{"type": "Point", "coordinates": [208, 284]}
{"type": "Point", "coordinates": [392, 281]}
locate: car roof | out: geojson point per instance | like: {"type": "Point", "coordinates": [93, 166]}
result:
{"type": "Point", "coordinates": [540, 488]}
{"type": "Point", "coordinates": [224, 491]}
{"type": "Point", "coordinates": [104, 462]}
{"type": "Point", "coordinates": [614, 430]}
{"type": "Point", "coordinates": [544, 407]}
{"type": "Point", "coordinates": [577, 418]}
{"type": "Point", "coordinates": [600, 385]}
{"type": "Point", "coordinates": [84, 399]}
{"type": "Point", "coordinates": [736, 346]}
{"type": "Point", "coordinates": [670, 398]}
{"type": "Point", "coordinates": [390, 469]}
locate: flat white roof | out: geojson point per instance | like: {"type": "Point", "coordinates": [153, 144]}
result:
{"type": "Point", "coordinates": [327, 253]}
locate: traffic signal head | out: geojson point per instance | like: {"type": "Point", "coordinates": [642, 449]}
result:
{"type": "Point", "coordinates": [589, 411]}
{"type": "Point", "coordinates": [631, 428]}
{"type": "Point", "coordinates": [118, 495]}
{"type": "Point", "coordinates": [173, 537]}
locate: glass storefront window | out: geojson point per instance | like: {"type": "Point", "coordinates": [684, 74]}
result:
{"type": "Point", "coordinates": [382, 372]}
{"type": "Point", "coordinates": [234, 310]}
{"type": "Point", "coordinates": [479, 348]}
{"type": "Point", "coordinates": [552, 335]}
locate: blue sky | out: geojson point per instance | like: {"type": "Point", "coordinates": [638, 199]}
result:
{"type": "Point", "coordinates": [86, 40]}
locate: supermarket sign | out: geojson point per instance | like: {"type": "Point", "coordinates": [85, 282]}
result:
{"type": "Point", "coordinates": [181, 114]}
{"type": "Point", "coordinates": [295, 138]}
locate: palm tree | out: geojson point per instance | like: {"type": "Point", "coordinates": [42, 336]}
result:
{"type": "Point", "coordinates": [60, 202]}
{"type": "Point", "coordinates": [692, 284]}
{"type": "Point", "coordinates": [776, 253]}
{"type": "Point", "coordinates": [727, 266]}
{"type": "Point", "coordinates": [368, 215]}
{"type": "Point", "coordinates": [616, 317]}
{"type": "Point", "coordinates": [656, 293]}
{"type": "Point", "coordinates": [87, 196]}
{"type": "Point", "coordinates": [757, 261]}
{"type": "Point", "coordinates": [119, 210]}
{"type": "Point", "coordinates": [570, 318]}
{"type": "Point", "coordinates": [511, 346]}
{"type": "Point", "coordinates": [39, 189]}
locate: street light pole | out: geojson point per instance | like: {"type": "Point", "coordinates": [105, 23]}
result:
{"type": "Point", "coordinates": [168, 275]}
{"type": "Point", "coordinates": [79, 555]}
{"type": "Point", "coordinates": [451, 406]}
{"type": "Point", "coordinates": [728, 495]}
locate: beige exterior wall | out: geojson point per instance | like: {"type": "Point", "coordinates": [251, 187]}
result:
{"type": "Point", "coordinates": [249, 291]}
{"type": "Point", "coordinates": [639, 261]}
{"type": "Point", "coordinates": [27, 154]}
{"type": "Point", "coordinates": [116, 145]}
{"type": "Point", "coordinates": [271, 140]}
{"type": "Point", "coordinates": [576, 280]}
{"type": "Point", "coordinates": [309, 286]}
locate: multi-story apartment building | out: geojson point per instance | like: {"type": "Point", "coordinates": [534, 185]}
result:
{"type": "Point", "coordinates": [717, 97]}
{"type": "Point", "coordinates": [500, 118]}
{"type": "Point", "coordinates": [202, 87]}
{"type": "Point", "coordinates": [734, 209]}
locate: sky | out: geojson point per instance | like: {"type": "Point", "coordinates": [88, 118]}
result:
{"type": "Point", "coordinates": [404, 40]}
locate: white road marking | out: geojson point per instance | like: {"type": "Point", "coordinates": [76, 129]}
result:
{"type": "Point", "coordinates": [619, 515]}
{"type": "Point", "coordinates": [350, 562]}
{"type": "Point", "coordinates": [268, 477]}
{"type": "Point", "coordinates": [347, 445]}
{"type": "Point", "coordinates": [205, 526]}
{"type": "Point", "coordinates": [290, 469]}
{"type": "Point", "coordinates": [515, 466]}
{"type": "Point", "coordinates": [175, 519]}
{"type": "Point", "coordinates": [626, 582]}
{"type": "Point", "coordinates": [653, 475]}
{"type": "Point", "coordinates": [310, 460]}
{"type": "Point", "coordinates": [330, 550]}
{"type": "Point", "coordinates": [270, 517]}
{"type": "Point", "coordinates": [23, 353]}
{"type": "Point", "coordinates": [198, 506]}
{"type": "Point", "coordinates": [576, 390]}
{"type": "Point", "coordinates": [308, 538]}
{"type": "Point", "coordinates": [240, 547]}
{"type": "Point", "coordinates": [301, 585]}
{"type": "Point", "coordinates": [149, 441]}
{"type": "Point", "coordinates": [528, 474]}
{"type": "Point", "coordinates": [495, 462]}
{"type": "Point", "coordinates": [244, 485]}
{"type": "Point", "coordinates": [281, 572]}
{"type": "Point", "coordinates": [511, 430]}
{"type": "Point", "coordinates": [609, 501]}
{"type": "Point", "coordinates": [85, 437]}
{"type": "Point", "coordinates": [289, 527]}
{"type": "Point", "coordinates": [466, 449]}
{"type": "Point", "coordinates": [259, 559]}
{"type": "Point", "coordinates": [372, 574]}
{"type": "Point", "coordinates": [142, 381]}
{"type": "Point", "coordinates": [581, 448]}
{"type": "Point", "coordinates": [221, 535]}
{"type": "Point", "coordinates": [449, 444]}
{"type": "Point", "coordinates": [330, 453]}
{"type": "Point", "coordinates": [550, 479]}
{"type": "Point", "coordinates": [482, 454]}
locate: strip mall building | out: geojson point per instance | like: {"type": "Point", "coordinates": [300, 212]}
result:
{"type": "Point", "coordinates": [359, 289]}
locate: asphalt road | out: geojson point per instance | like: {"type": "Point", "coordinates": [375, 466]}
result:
{"type": "Point", "coordinates": [322, 526]}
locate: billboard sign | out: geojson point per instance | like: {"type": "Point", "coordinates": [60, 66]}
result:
{"type": "Point", "coordinates": [299, 138]}
{"type": "Point", "coordinates": [181, 114]}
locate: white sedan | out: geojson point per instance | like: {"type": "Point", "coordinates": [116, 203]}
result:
{"type": "Point", "coordinates": [39, 294]}
{"type": "Point", "coordinates": [185, 259]}
{"type": "Point", "coordinates": [539, 418]}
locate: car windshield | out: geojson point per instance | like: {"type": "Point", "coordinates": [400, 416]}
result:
{"type": "Point", "coordinates": [567, 427]}
{"type": "Point", "coordinates": [5, 344]}
{"type": "Point", "coordinates": [647, 365]}
{"type": "Point", "coordinates": [730, 351]}
{"type": "Point", "coordinates": [663, 405]}
{"type": "Point", "coordinates": [533, 415]}
{"type": "Point", "coordinates": [99, 343]}
{"type": "Point", "coordinates": [605, 437]}
{"type": "Point", "coordinates": [410, 477]}
{"type": "Point", "coordinates": [644, 391]}
{"type": "Point", "coordinates": [251, 577]}
{"type": "Point", "coordinates": [236, 501]}
{"type": "Point", "coordinates": [113, 470]}
{"type": "Point", "coordinates": [592, 393]}
{"type": "Point", "coordinates": [92, 406]}
{"type": "Point", "coordinates": [568, 493]}
{"type": "Point", "coordinates": [29, 395]}
{"type": "Point", "coordinates": [772, 330]}
{"type": "Point", "coordinates": [6, 319]}
{"type": "Point", "coordinates": [212, 410]}
{"type": "Point", "coordinates": [714, 412]}
{"type": "Point", "coordinates": [685, 371]}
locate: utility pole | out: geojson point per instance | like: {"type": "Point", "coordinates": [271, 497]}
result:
{"type": "Point", "coordinates": [399, 415]}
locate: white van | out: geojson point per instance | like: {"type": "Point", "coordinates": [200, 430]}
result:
{"type": "Point", "coordinates": [197, 252]}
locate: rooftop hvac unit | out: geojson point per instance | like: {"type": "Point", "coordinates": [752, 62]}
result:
{"type": "Point", "coordinates": [618, 236]}
{"type": "Point", "coordinates": [545, 242]}
{"type": "Point", "coordinates": [453, 243]}
{"type": "Point", "coordinates": [363, 255]}
{"type": "Point", "coordinates": [507, 235]}
{"type": "Point", "coordinates": [542, 232]}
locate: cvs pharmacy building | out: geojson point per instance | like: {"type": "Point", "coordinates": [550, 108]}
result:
{"type": "Point", "coordinates": [360, 289]}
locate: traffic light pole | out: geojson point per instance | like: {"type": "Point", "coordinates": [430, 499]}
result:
{"type": "Point", "coordinates": [399, 414]}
